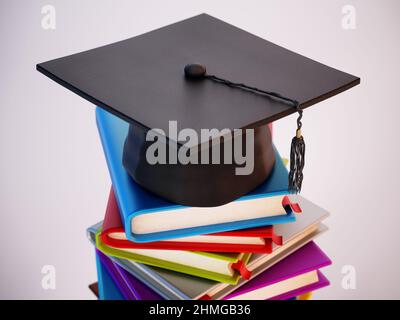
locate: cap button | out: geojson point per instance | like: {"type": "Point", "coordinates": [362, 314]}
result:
{"type": "Point", "coordinates": [195, 71]}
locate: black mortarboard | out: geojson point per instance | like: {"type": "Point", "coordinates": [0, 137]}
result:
{"type": "Point", "coordinates": [153, 78]}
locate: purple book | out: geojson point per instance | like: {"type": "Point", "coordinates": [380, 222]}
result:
{"type": "Point", "coordinates": [300, 267]}
{"type": "Point", "coordinates": [322, 282]}
{"type": "Point", "coordinates": [130, 287]}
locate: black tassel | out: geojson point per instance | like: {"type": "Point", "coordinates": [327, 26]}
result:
{"type": "Point", "coordinates": [297, 157]}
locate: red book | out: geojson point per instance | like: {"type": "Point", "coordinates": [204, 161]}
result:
{"type": "Point", "coordinates": [255, 240]}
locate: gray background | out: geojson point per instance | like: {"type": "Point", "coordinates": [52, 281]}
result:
{"type": "Point", "coordinates": [53, 177]}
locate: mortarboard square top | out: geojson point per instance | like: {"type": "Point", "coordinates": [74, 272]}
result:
{"type": "Point", "coordinates": [141, 80]}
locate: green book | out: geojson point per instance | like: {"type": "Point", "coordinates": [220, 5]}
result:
{"type": "Point", "coordinates": [221, 267]}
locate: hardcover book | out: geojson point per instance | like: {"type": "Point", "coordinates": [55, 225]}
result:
{"type": "Point", "coordinates": [222, 267]}
{"type": "Point", "coordinates": [299, 270]}
{"type": "Point", "coordinates": [129, 287]}
{"type": "Point", "coordinates": [107, 289]}
{"type": "Point", "coordinates": [254, 240]}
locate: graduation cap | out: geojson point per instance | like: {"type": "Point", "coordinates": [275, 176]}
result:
{"type": "Point", "coordinates": [200, 73]}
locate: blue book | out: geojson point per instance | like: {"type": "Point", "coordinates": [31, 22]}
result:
{"type": "Point", "coordinates": [108, 290]}
{"type": "Point", "coordinates": [147, 217]}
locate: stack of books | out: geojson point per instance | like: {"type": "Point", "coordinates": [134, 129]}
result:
{"type": "Point", "coordinates": [257, 247]}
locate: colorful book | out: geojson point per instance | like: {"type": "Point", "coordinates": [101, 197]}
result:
{"type": "Point", "coordinates": [107, 288]}
{"type": "Point", "coordinates": [255, 240]}
{"type": "Point", "coordinates": [148, 218]}
{"type": "Point", "coordinates": [129, 287]}
{"type": "Point", "coordinates": [221, 267]}
{"type": "Point", "coordinates": [174, 285]}
{"type": "Point", "coordinates": [285, 279]}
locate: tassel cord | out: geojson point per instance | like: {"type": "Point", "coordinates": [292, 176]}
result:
{"type": "Point", "coordinates": [252, 89]}
{"type": "Point", "coordinates": [297, 151]}
{"type": "Point", "coordinates": [297, 157]}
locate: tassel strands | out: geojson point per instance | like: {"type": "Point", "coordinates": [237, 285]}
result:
{"type": "Point", "coordinates": [297, 156]}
